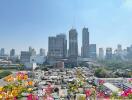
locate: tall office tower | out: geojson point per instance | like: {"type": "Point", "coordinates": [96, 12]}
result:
{"type": "Point", "coordinates": [92, 51]}
{"type": "Point", "coordinates": [119, 47]}
{"type": "Point", "coordinates": [129, 53]}
{"type": "Point", "coordinates": [57, 46]}
{"type": "Point", "coordinates": [73, 43]}
{"type": "Point", "coordinates": [108, 53]}
{"type": "Point", "coordinates": [64, 40]}
{"type": "Point", "coordinates": [25, 57]}
{"type": "Point", "coordinates": [85, 43]}
{"type": "Point", "coordinates": [32, 51]}
{"type": "Point", "coordinates": [42, 52]}
{"type": "Point", "coordinates": [12, 52]}
{"type": "Point", "coordinates": [118, 53]}
{"type": "Point", "coordinates": [2, 52]}
{"type": "Point", "coordinates": [101, 53]}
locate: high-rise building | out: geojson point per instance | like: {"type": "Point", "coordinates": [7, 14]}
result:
{"type": "Point", "coordinates": [129, 52]}
{"type": "Point", "coordinates": [108, 53]}
{"type": "Point", "coordinates": [42, 52]}
{"type": "Point", "coordinates": [32, 51]}
{"type": "Point", "coordinates": [57, 46]}
{"type": "Point", "coordinates": [2, 52]}
{"type": "Point", "coordinates": [119, 50]}
{"type": "Point", "coordinates": [101, 53]}
{"type": "Point", "coordinates": [92, 51]}
{"type": "Point", "coordinates": [119, 47]}
{"type": "Point", "coordinates": [118, 53]}
{"type": "Point", "coordinates": [25, 57]}
{"type": "Point", "coordinates": [73, 43]}
{"type": "Point", "coordinates": [64, 40]}
{"type": "Point", "coordinates": [85, 43]}
{"type": "Point", "coordinates": [12, 52]}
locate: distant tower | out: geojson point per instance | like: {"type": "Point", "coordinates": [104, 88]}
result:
{"type": "Point", "coordinates": [2, 52]}
{"type": "Point", "coordinates": [12, 53]}
{"type": "Point", "coordinates": [108, 53]}
{"type": "Point", "coordinates": [119, 49]}
{"type": "Point", "coordinates": [32, 51]}
{"type": "Point", "coordinates": [101, 53]}
{"type": "Point", "coordinates": [25, 57]}
{"type": "Point", "coordinates": [57, 46]}
{"type": "Point", "coordinates": [42, 52]}
{"type": "Point", "coordinates": [73, 43]}
{"type": "Point", "coordinates": [92, 51]}
{"type": "Point", "coordinates": [85, 43]}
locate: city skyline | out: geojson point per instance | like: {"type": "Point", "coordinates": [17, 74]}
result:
{"type": "Point", "coordinates": [30, 23]}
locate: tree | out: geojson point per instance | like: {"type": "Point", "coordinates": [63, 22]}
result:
{"type": "Point", "coordinates": [101, 73]}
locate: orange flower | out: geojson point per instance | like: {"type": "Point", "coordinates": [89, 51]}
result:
{"type": "Point", "coordinates": [25, 77]}
{"type": "Point", "coordinates": [30, 83]}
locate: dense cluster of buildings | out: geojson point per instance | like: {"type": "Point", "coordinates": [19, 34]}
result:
{"type": "Point", "coordinates": [28, 58]}
{"type": "Point", "coordinates": [117, 54]}
{"type": "Point", "coordinates": [57, 47]}
{"type": "Point", "coordinates": [58, 50]}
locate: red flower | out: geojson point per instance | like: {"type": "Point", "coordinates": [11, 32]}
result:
{"type": "Point", "coordinates": [101, 81]}
{"type": "Point", "coordinates": [100, 94]}
{"type": "Point", "coordinates": [126, 92]}
{"type": "Point", "coordinates": [88, 93]}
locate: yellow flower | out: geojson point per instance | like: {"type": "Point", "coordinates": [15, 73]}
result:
{"type": "Point", "coordinates": [29, 89]}
{"type": "Point", "coordinates": [1, 96]}
{"type": "Point", "coordinates": [1, 88]}
{"type": "Point", "coordinates": [14, 93]}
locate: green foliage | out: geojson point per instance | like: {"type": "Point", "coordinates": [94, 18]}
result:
{"type": "Point", "coordinates": [130, 96]}
{"type": "Point", "coordinates": [4, 74]}
{"type": "Point", "coordinates": [117, 68]}
{"type": "Point", "coordinates": [101, 73]}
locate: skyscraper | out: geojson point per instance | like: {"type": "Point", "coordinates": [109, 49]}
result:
{"type": "Point", "coordinates": [101, 53]}
{"type": "Point", "coordinates": [25, 57]}
{"type": "Point", "coordinates": [92, 51]}
{"type": "Point", "coordinates": [57, 46]}
{"type": "Point", "coordinates": [12, 52]}
{"type": "Point", "coordinates": [2, 52]}
{"type": "Point", "coordinates": [129, 52]}
{"type": "Point", "coordinates": [64, 41]}
{"type": "Point", "coordinates": [73, 43]}
{"type": "Point", "coordinates": [108, 53]}
{"type": "Point", "coordinates": [119, 47]}
{"type": "Point", "coordinates": [85, 43]}
{"type": "Point", "coordinates": [32, 51]}
{"type": "Point", "coordinates": [42, 52]}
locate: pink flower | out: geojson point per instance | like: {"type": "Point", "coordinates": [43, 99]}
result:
{"type": "Point", "coordinates": [49, 98]}
{"type": "Point", "coordinates": [29, 97]}
{"type": "Point", "coordinates": [88, 93]}
{"type": "Point", "coordinates": [101, 81]}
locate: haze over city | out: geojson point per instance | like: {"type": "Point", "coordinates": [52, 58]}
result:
{"type": "Point", "coordinates": [26, 23]}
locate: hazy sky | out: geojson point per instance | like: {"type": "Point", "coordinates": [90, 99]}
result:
{"type": "Point", "coordinates": [26, 23]}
